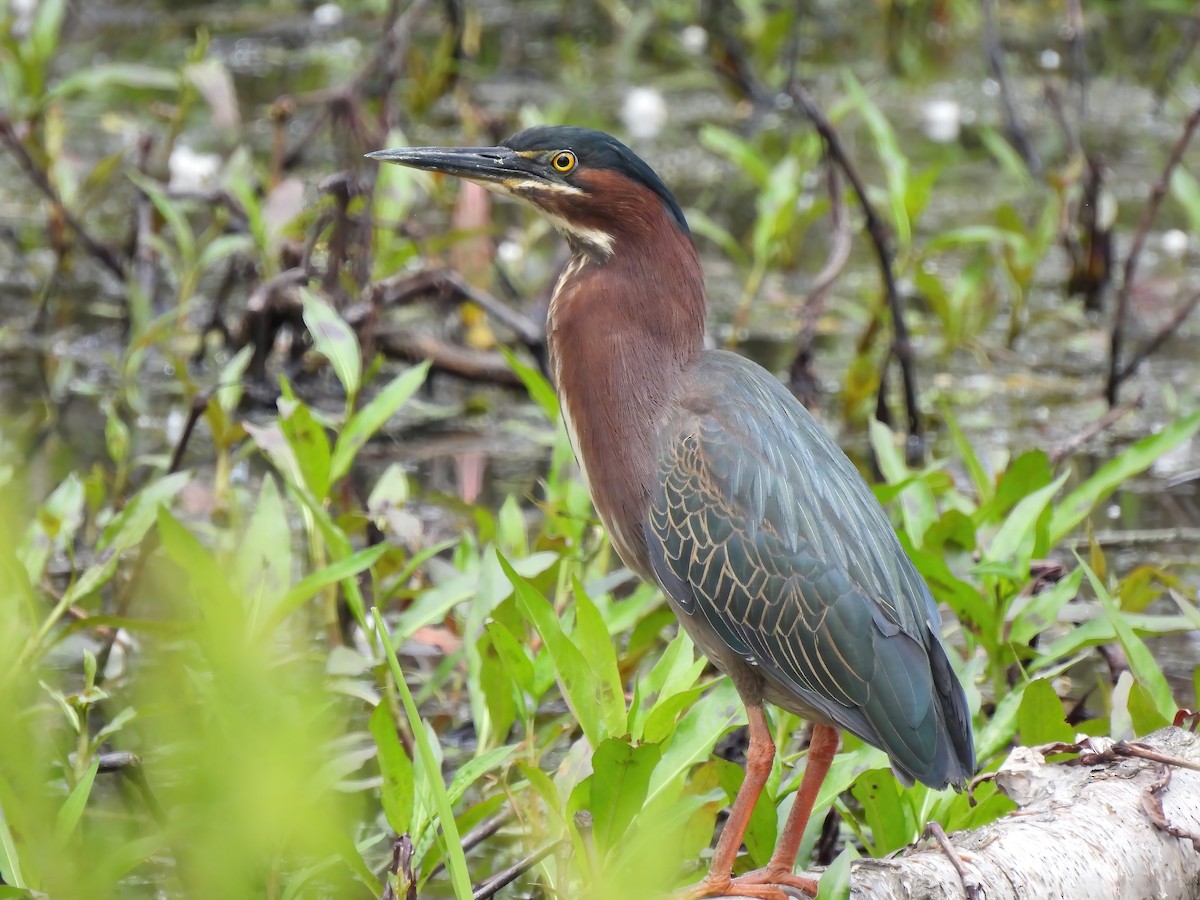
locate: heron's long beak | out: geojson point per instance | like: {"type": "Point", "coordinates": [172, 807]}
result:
{"type": "Point", "coordinates": [495, 165]}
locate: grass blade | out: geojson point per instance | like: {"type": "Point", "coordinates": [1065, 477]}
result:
{"type": "Point", "coordinates": [456, 860]}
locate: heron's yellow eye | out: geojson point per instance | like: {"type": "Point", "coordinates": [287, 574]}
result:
{"type": "Point", "coordinates": [563, 161]}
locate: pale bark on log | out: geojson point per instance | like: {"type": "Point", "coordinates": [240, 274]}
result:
{"type": "Point", "coordinates": [1081, 832]}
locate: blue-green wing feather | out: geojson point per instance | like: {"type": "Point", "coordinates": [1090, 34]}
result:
{"type": "Point", "coordinates": [764, 530]}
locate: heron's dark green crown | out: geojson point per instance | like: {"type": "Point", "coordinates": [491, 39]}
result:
{"type": "Point", "coordinates": [596, 150]}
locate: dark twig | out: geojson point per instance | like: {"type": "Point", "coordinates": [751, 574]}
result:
{"type": "Point", "coordinates": [1115, 371]}
{"type": "Point", "coordinates": [877, 231]}
{"type": "Point", "coordinates": [406, 287]}
{"type": "Point", "coordinates": [103, 254]}
{"type": "Point", "coordinates": [473, 365]}
{"type": "Point", "coordinates": [1017, 136]}
{"type": "Point", "coordinates": [1073, 443]}
{"type": "Point", "coordinates": [199, 405]}
{"type": "Point", "coordinates": [835, 260]}
{"type": "Point", "coordinates": [1073, 33]}
{"type": "Point", "coordinates": [801, 377]}
{"type": "Point", "coordinates": [478, 835]}
{"type": "Point", "coordinates": [1160, 337]}
{"type": "Point", "coordinates": [1152, 804]}
{"type": "Point", "coordinates": [145, 267]}
{"type": "Point", "coordinates": [401, 870]}
{"type": "Point", "coordinates": [502, 879]}
{"type": "Point", "coordinates": [1094, 751]}
{"type": "Point", "coordinates": [970, 883]}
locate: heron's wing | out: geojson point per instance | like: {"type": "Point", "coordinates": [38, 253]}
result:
{"type": "Point", "coordinates": [762, 528]}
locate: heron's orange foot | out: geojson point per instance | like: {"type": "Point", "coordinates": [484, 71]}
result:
{"type": "Point", "coordinates": [762, 884]}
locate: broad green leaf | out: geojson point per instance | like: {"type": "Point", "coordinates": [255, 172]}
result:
{"type": "Point", "coordinates": [1042, 609]}
{"type": "Point", "coordinates": [55, 525]}
{"type": "Point", "coordinates": [1076, 506]}
{"type": "Point", "coordinates": [1141, 662]}
{"type": "Point", "coordinates": [72, 809]}
{"type": "Point", "coordinates": [619, 782]}
{"type": "Point", "coordinates": [1017, 537]}
{"type": "Point", "coordinates": [698, 731]}
{"type": "Point", "coordinates": [1023, 475]}
{"type": "Point", "coordinates": [334, 339]}
{"type": "Point", "coordinates": [888, 815]}
{"type": "Point", "coordinates": [309, 445]}
{"type": "Point", "coordinates": [264, 556]}
{"type": "Point", "coordinates": [372, 416]}
{"type": "Point", "coordinates": [397, 771]}
{"type": "Point", "coordinates": [580, 686]}
{"type": "Point", "coordinates": [131, 525]}
{"type": "Point", "coordinates": [661, 721]}
{"type": "Point", "coordinates": [1041, 718]}
{"type": "Point", "coordinates": [596, 645]}
{"type": "Point", "coordinates": [835, 882]}
{"type": "Point", "coordinates": [432, 604]}
{"type": "Point", "coordinates": [46, 30]}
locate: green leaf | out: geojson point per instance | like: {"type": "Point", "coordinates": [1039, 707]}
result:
{"type": "Point", "coordinates": [456, 860]}
{"type": "Point", "coordinates": [1076, 506]}
{"type": "Point", "coordinates": [697, 732]}
{"type": "Point", "coordinates": [264, 556]}
{"type": "Point", "coordinates": [1041, 718]}
{"type": "Point", "coordinates": [889, 817]}
{"type": "Point", "coordinates": [308, 443]}
{"type": "Point", "coordinates": [10, 859]}
{"type": "Point", "coordinates": [970, 460]}
{"type": "Point", "coordinates": [619, 782]}
{"type": "Point", "coordinates": [540, 390]}
{"type": "Point", "coordinates": [580, 687]}
{"type": "Point", "coordinates": [131, 525]}
{"type": "Point", "coordinates": [1141, 662]}
{"type": "Point", "coordinates": [396, 768]}
{"type": "Point", "coordinates": [342, 570]}
{"type": "Point", "coordinates": [596, 645]}
{"type": "Point", "coordinates": [122, 75]}
{"type": "Point", "coordinates": [374, 415]}
{"type": "Point", "coordinates": [1025, 474]}
{"type": "Point", "coordinates": [47, 29]}
{"type": "Point", "coordinates": [737, 150]}
{"type": "Point", "coordinates": [334, 340]}
{"type": "Point", "coordinates": [1042, 609]}
{"type": "Point", "coordinates": [835, 882]}
{"type": "Point", "coordinates": [181, 229]}
{"type": "Point", "coordinates": [1017, 537]}
{"type": "Point", "coordinates": [72, 809]}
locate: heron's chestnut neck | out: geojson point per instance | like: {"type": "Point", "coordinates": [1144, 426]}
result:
{"type": "Point", "coordinates": [622, 332]}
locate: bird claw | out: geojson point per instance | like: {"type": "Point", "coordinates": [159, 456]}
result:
{"type": "Point", "coordinates": [761, 884]}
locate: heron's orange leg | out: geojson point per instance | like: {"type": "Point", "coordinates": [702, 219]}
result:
{"type": "Point", "coordinates": [759, 756]}
{"type": "Point", "coordinates": [821, 750]}
{"type": "Point", "coordinates": [767, 883]}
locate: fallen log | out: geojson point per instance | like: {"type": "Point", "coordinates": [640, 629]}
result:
{"type": "Point", "coordinates": [1119, 822]}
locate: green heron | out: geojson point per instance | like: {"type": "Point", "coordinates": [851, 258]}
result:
{"type": "Point", "coordinates": [717, 485]}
